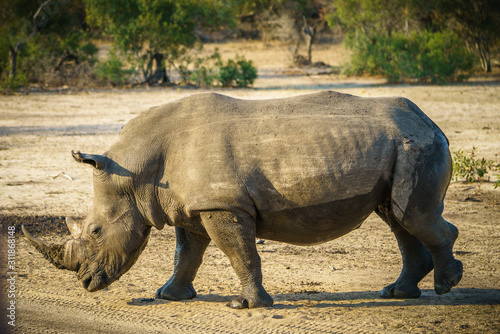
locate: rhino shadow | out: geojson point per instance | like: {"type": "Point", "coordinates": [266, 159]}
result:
{"type": "Point", "coordinates": [458, 296]}
{"type": "Point", "coordinates": [209, 298]}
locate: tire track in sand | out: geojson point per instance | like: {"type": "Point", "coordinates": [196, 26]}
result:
{"type": "Point", "coordinates": [47, 313]}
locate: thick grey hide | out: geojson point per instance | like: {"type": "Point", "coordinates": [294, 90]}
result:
{"type": "Point", "coordinates": [308, 168]}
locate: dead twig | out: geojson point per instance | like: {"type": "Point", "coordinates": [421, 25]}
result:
{"type": "Point", "coordinates": [63, 174]}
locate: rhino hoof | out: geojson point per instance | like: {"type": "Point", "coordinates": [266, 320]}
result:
{"type": "Point", "coordinates": [252, 299]}
{"type": "Point", "coordinates": [241, 303]}
{"type": "Point", "coordinates": [449, 280]}
{"type": "Point", "coordinates": [399, 292]}
{"type": "Point", "coordinates": [171, 292]}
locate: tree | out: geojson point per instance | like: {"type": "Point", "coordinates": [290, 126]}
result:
{"type": "Point", "coordinates": [313, 21]}
{"type": "Point", "coordinates": [370, 17]}
{"type": "Point", "coordinates": [29, 29]}
{"type": "Point", "coordinates": [56, 27]}
{"type": "Point", "coordinates": [394, 38]}
{"type": "Point", "coordinates": [290, 21]}
{"type": "Point", "coordinates": [477, 21]}
{"type": "Point", "coordinates": [157, 31]}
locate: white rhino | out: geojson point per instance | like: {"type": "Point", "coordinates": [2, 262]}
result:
{"type": "Point", "coordinates": [302, 170]}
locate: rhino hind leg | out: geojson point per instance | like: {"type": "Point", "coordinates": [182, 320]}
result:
{"type": "Point", "coordinates": [421, 178]}
{"type": "Point", "coordinates": [417, 260]}
{"type": "Point", "coordinates": [188, 258]}
{"type": "Point", "coordinates": [235, 235]}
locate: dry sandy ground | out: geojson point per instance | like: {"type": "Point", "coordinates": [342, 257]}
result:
{"type": "Point", "coordinates": [329, 288]}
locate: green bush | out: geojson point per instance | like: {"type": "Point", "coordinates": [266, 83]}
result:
{"type": "Point", "coordinates": [469, 168]}
{"type": "Point", "coordinates": [88, 52]}
{"type": "Point", "coordinates": [112, 71]}
{"type": "Point", "coordinates": [10, 84]}
{"type": "Point", "coordinates": [4, 54]}
{"type": "Point", "coordinates": [212, 70]}
{"type": "Point", "coordinates": [425, 57]}
{"type": "Point", "coordinates": [31, 65]}
{"type": "Point", "coordinates": [205, 70]}
{"type": "Point", "coordinates": [239, 71]}
{"type": "Point", "coordinates": [37, 62]}
{"type": "Point", "coordinates": [228, 73]}
{"type": "Point", "coordinates": [247, 72]}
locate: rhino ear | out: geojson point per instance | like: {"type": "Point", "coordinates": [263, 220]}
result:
{"type": "Point", "coordinates": [95, 160]}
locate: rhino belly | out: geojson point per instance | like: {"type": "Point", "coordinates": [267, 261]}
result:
{"type": "Point", "coordinates": [314, 224]}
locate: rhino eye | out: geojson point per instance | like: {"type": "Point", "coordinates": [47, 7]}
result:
{"type": "Point", "coordinates": [95, 230]}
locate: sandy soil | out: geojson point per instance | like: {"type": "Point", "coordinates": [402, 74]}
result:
{"type": "Point", "coordinates": [329, 288]}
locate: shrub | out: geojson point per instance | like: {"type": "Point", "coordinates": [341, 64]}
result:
{"type": "Point", "coordinates": [212, 70]}
{"type": "Point", "coordinates": [469, 168]}
{"type": "Point", "coordinates": [425, 57]}
{"type": "Point", "coordinates": [247, 72]}
{"type": "Point", "coordinates": [10, 84]}
{"type": "Point", "coordinates": [112, 71]}
{"type": "Point", "coordinates": [239, 71]}
{"type": "Point", "coordinates": [205, 70]}
{"type": "Point", "coordinates": [88, 52]}
{"type": "Point", "coordinates": [228, 73]}
{"type": "Point", "coordinates": [31, 65]}
{"type": "Point", "coordinates": [4, 53]}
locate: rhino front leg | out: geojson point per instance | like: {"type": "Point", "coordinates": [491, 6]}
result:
{"type": "Point", "coordinates": [235, 236]}
{"type": "Point", "coordinates": [188, 257]}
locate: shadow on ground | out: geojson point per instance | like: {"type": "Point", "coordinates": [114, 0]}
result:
{"type": "Point", "coordinates": [457, 296]}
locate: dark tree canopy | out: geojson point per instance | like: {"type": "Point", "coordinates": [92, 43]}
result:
{"type": "Point", "coordinates": [154, 31]}
{"type": "Point", "coordinates": [40, 36]}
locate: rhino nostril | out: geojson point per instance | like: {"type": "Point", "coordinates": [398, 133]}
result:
{"type": "Point", "coordinates": [105, 278]}
{"type": "Point", "coordinates": [86, 282]}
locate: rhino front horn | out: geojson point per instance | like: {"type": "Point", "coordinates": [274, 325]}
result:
{"type": "Point", "coordinates": [64, 256]}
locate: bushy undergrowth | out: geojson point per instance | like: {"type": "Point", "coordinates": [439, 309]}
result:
{"type": "Point", "coordinates": [421, 56]}
{"type": "Point", "coordinates": [469, 168]}
{"type": "Point", "coordinates": [239, 72]}
{"type": "Point", "coordinates": [112, 71]}
{"type": "Point", "coordinates": [36, 67]}
{"type": "Point", "coordinates": [9, 84]}
{"type": "Point", "coordinates": [50, 62]}
{"type": "Point", "coordinates": [212, 70]}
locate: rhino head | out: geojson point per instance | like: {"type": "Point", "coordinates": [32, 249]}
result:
{"type": "Point", "coordinates": [108, 242]}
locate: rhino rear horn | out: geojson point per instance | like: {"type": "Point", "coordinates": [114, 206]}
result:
{"type": "Point", "coordinates": [95, 160]}
{"type": "Point", "coordinates": [67, 255]}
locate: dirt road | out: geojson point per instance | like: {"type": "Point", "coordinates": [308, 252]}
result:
{"type": "Point", "coordinates": [329, 288]}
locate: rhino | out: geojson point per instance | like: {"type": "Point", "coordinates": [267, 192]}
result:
{"type": "Point", "coordinates": [302, 170]}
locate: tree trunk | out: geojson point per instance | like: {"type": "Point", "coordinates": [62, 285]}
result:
{"type": "Point", "coordinates": [13, 58]}
{"type": "Point", "coordinates": [310, 44]}
{"type": "Point", "coordinates": [484, 53]}
{"type": "Point", "coordinates": [159, 76]}
{"type": "Point", "coordinates": [309, 32]}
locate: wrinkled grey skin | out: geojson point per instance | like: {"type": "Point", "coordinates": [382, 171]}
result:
{"type": "Point", "coordinates": [302, 170]}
